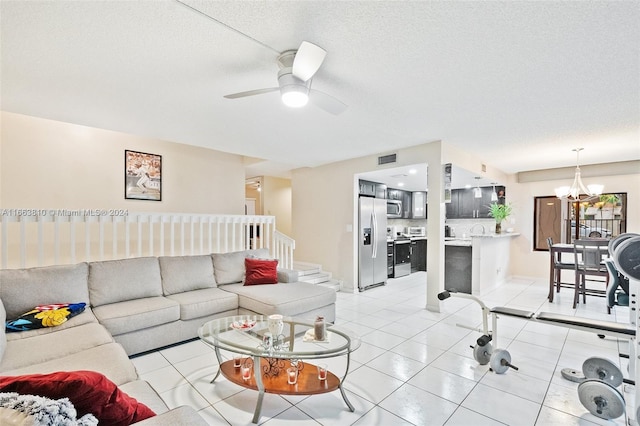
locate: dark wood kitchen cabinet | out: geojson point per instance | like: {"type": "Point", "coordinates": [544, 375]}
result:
{"type": "Point", "coordinates": [418, 255]}
{"type": "Point", "coordinates": [372, 189]}
{"type": "Point", "coordinates": [390, 260]}
{"type": "Point", "coordinates": [464, 205]}
{"type": "Point", "coordinates": [457, 268]}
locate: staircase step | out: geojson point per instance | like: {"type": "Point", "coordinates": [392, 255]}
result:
{"type": "Point", "coordinates": [316, 278]}
{"type": "Point", "coordinates": [305, 268]}
{"type": "Point", "coordinates": [332, 284]}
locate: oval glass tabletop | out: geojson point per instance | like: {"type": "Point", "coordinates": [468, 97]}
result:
{"type": "Point", "coordinates": [251, 335]}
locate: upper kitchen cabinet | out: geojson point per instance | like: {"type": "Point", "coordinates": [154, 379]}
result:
{"type": "Point", "coordinates": [419, 205]}
{"type": "Point", "coordinates": [464, 205]}
{"type": "Point", "coordinates": [372, 189]}
{"type": "Point", "coordinates": [407, 210]}
{"type": "Point", "coordinates": [485, 201]}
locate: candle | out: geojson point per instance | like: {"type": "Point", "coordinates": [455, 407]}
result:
{"type": "Point", "coordinates": [292, 373]}
{"type": "Point", "coordinates": [322, 371]}
{"type": "Point", "coordinates": [246, 373]}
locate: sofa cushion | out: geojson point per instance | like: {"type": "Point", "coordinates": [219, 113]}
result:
{"type": "Point", "coordinates": [45, 316]}
{"type": "Point", "coordinates": [89, 392]}
{"type": "Point", "coordinates": [183, 415]}
{"type": "Point", "coordinates": [260, 271]}
{"type": "Point", "coordinates": [109, 359]}
{"type": "Point", "coordinates": [22, 289]}
{"type": "Point", "coordinates": [186, 273]}
{"type": "Point", "coordinates": [200, 303]}
{"type": "Point", "coordinates": [143, 392]}
{"type": "Point", "coordinates": [228, 268]}
{"type": "Point", "coordinates": [123, 317]}
{"type": "Point", "coordinates": [114, 281]}
{"type": "Point", "coordinates": [53, 345]}
{"type": "Point", "coordinates": [287, 299]}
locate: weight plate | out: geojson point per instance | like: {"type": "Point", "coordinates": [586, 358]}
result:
{"type": "Point", "coordinates": [601, 399]}
{"type": "Point", "coordinates": [573, 375]}
{"type": "Point", "coordinates": [602, 369]}
{"type": "Point", "coordinates": [615, 242]}
{"type": "Point", "coordinates": [627, 258]}
{"type": "Point", "coordinates": [482, 354]}
{"type": "Point", "coordinates": [500, 361]}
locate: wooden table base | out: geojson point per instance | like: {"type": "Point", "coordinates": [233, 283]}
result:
{"type": "Point", "coordinates": [307, 384]}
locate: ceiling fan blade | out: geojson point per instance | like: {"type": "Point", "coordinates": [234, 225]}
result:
{"type": "Point", "coordinates": [251, 93]}
{"type": "Point", "coordinates": [327, 102]}
{"type": "Point", "coordinates": [307, 60]}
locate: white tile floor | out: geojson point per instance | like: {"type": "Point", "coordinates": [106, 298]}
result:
{"type": "Point", "coordinates": [415, 367]}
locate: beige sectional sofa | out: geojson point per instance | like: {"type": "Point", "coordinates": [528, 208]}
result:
{"type": "Point", "coordinates": [136, 305]}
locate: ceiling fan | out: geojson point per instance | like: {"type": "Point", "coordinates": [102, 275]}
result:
{"type": "Point", "coordinates": [297, 68]}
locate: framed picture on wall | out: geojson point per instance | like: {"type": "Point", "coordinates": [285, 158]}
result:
{"type": "Point", "coordinates": [142, 176]}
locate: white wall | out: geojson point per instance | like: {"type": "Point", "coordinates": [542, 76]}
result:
{"type": "Point", "coordinates": [50, 164]}
{"type": "Point", "coordinates": [276, 198]}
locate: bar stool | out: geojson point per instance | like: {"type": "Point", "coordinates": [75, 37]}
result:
{"type": "Point", "coordinates": [557, 266]}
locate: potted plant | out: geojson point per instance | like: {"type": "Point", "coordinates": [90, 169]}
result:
{"type": "Point", "coordinates": [606, 204]}
{"type": "Point", "coordinates": [499, 212]}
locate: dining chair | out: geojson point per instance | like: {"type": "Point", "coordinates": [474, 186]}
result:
{"type": "Point", "coordinates": [589, 255]}
{"type": "Point", "coordinates": [557, 266]}
{"type": "Point", "coordinates": [618, 287]}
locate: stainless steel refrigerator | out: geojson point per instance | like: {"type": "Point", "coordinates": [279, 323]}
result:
{"type": "Point", "coordinates": [372, 253]}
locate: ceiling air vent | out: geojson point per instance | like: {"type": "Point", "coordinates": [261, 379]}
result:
{"type": "Point", "coordinates": [386, 159]}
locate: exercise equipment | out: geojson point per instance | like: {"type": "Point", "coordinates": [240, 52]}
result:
{"type": "Point", "coordinates": [499, 360]}
{"type": "Point", "coordinates": [600, 378]}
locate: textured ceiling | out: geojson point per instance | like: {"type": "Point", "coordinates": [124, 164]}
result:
{"type": "Point", "coordinates": [518, 83]}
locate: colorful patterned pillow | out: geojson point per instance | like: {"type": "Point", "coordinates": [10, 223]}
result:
{"type": "Point", "coordinates": [45, 316]}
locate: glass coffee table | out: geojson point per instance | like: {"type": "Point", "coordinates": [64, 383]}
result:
{"type": "Point", "coordinates": [280, 350]}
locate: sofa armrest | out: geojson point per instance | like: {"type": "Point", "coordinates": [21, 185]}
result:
{"type": "Point", "coordinates": [183, 415]}
{"type": "Point", "coordinates": [287, 276]}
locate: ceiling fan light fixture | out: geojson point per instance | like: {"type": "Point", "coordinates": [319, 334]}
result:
{"type": "Point", "coordinates": [293, 97]}
{"type": "Point", "coordinates": [294, 92]}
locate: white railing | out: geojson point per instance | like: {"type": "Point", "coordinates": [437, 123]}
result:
{"type": "Point", "coordinates": [39, 237]}
{"type": "Point", "coordinates": [283, 247]}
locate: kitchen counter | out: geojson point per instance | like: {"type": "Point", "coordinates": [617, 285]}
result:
{"type": "Point", "coordinates": [492, 235]}
{"type": "Point", "coordinates": [477, 263]}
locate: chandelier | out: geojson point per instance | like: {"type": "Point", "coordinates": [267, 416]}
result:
{"type": "Point", "coordinates": [577, 188]}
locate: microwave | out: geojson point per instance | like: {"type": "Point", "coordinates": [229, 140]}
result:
{"type": "Point", "coordinates": [394, 209]}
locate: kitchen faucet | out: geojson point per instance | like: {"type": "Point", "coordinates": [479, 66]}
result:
{"type": "Point", "coordinates": [477, 224]}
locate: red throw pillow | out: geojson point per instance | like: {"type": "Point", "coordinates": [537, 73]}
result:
{"type": "Point", "coordinates": [88, 391]}
{"type": "Point", "coordinates": [260, 271]}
